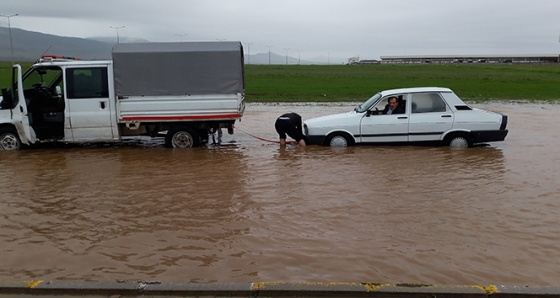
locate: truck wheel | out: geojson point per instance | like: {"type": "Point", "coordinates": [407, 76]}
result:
{"type": "Point", "coordinates": [9, 140]}
{"type": "Point", "coordinates": [182, 137]}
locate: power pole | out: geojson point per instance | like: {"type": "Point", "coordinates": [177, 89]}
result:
{"type": "Point", "coordinates": [10, 32]}
{"type": "Point", "coordinates": [117, 28]}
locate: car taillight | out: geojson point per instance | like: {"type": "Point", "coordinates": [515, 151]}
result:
{"type": "Point", "coordinates": [504, 122]}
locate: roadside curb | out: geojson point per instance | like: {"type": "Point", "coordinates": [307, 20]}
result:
{"type": "Point", "coordinates": [38, 288]}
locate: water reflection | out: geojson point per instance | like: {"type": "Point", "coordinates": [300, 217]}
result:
{"type": "Point", "coordinates": [91, 201]}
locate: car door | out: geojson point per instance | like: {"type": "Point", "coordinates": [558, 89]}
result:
{"type": "Point", "coordinates": [430, 117]}
{"type": "Point", "coordinates": [376, 127]}
{"type": "Point", "coordinates": [89, 112]}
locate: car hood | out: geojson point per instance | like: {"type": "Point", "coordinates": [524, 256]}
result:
{"type": "Point", "coordinates": [330, 119]}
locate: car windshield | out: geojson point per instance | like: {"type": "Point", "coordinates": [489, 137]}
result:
{"type": "Point", "coordinates": [366, 105]}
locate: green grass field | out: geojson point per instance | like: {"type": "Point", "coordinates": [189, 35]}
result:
{"type": "Point", "coordinates": [302, 83]}
{"type": "Point", "coordinates": [359, 82]}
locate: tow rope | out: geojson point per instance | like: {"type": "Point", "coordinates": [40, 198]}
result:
{"type": "Point", "coordinates": [263, 139]}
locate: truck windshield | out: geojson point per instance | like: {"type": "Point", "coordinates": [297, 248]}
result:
{"type": "Point", "coordinates": [366, 105]}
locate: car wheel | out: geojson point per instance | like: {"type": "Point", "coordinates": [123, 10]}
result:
{"type": "Point", "coordinates": [339, 140]}
{"type": "Point", "coordinates": [9, 140]}
{"type": "Point", "coordinates": [459, 141]}
{"type": "Point", "coordinates": [182, 137]}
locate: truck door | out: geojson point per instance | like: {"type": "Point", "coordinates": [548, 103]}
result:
{"type": "Point", "coordinates": [89, 111]}
{"type": "Point", "coordinates": [15, 100]}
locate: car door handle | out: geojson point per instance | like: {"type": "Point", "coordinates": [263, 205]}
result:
{"type": "Point", "coordinates": [445, 116]}
{"type": "Point", "coordinates": [402, 117]}
{"type": "Point", "coordinates": [102, 103]}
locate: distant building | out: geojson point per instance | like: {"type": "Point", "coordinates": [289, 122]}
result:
{"type": "Point", "coordinates": [356, 60]}
{"type": "Point", "coordinates": [472, 59]}
{"type": "Point", "coordinates": [353, 60]}
{"type": "Point", "coordinates": [369, 62]}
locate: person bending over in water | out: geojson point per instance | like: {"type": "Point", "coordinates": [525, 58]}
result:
{"type": "Point", "coordinates": [290, 124]}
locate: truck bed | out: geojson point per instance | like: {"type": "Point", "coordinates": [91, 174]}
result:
{"type": "Point", "coordinates": [209, 107]}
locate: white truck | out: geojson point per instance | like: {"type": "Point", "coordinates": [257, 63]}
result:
{"type": "Point", "coordinates": [182, 91]}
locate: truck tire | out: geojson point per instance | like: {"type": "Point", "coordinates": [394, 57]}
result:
{"type": "Point", "coordinates": [182, 137]}
{"type": "Point", "coordinates": [9, 140]}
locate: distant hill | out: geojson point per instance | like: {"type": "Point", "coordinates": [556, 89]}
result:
{"type": "Point", "coordinates": [112, 39]}
{"type": "Point", "coordinates": [29, 46]}
{"type": "Point", "coordinates": [263, 58]}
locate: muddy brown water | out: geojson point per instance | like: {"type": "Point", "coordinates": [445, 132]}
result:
{"type": "Point", "coordinates": [249, 211]}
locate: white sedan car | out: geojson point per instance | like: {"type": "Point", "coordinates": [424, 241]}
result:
{"type": "Point", "coordinates": [426, 115]}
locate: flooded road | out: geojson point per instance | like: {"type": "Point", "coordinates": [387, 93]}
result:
{"type": "Point", "coordinates": [249, 211]}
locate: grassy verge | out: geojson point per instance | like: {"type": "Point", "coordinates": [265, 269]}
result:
{"type": "Point", "coordinates": [331, 83]}
{"type": "Point", "coordinates": [6, 72]}
{"type": "Point", "coordinates": [359, 82]}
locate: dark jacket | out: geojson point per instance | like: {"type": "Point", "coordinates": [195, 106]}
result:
{"type": "Point", "coordinates": [295, 118]}
{"type": "Point", "coordinates": [398, 110]}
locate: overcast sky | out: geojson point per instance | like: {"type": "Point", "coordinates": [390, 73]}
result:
{"type": "Point", "coordinates": [311, 29]}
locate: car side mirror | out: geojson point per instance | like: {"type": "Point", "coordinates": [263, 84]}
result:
{"type": "Point", "coordinates": [58, 90]}
{"type": "Point", "coordinates": [368, 113]}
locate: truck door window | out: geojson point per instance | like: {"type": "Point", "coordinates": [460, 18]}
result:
{"type": "Point", "coordinates": [87, 82]}
{"type": "Point", "coordinates": [48, 77]}
{"type": "Point", "coordinates": [40, 85]}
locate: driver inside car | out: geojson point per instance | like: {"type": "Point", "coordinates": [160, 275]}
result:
{"type": "Point", "coordinates": [393, 107]}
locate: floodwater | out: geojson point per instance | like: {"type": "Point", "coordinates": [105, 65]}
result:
{"type": "Point", "coordinates": [250, 211]}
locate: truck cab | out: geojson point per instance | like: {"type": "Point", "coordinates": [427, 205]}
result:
{"type": "Point", "coordinates": [58, 99]}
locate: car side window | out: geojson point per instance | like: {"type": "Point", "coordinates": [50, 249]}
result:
{"type": "Point", "coordinates": [427, 103]}
{"type": "Point", "coordinates": [383, 104]}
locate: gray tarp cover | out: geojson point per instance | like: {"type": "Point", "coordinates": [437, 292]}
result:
{"type": "Point", "coordinates": [150, 69]}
